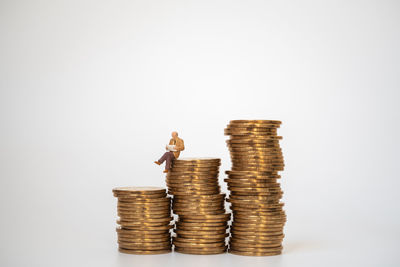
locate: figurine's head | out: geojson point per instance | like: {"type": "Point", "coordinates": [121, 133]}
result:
{"type": "Point", "coordinates": [174, 134]}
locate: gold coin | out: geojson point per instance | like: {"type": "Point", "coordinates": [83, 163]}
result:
{"type": "Point", "coordinates": [200, 159]}
{"type": "Point", "coordinates": [149, 213]}
{"type": "Point", "coordinates": [193, 192]}
{"type": "Point", "coordinates": [258, 238]}
{"type": "Point", "coordinates": [210, 205]}
{"type": "Point", "coordinates": [144, 240]}
{"type": "Point", "coordinates": [245, 164]}
{"type": "Point", "coordinates": [271, 182]}
{"type": "Point", "coordinates": [257, 216]}
{"type": "Point", "coordinates": [124, 230]}
{"type": "Point", "coordinates": [198, 200]}
{"type": "Point", "coordinates": [247, 253]}
{"type": "Point", "coordinates": [135, 225]}
{"type": "Point", "coordinates": [218, 203]}
{"type": "Point", "coordinates": [277, 168]}
{"type": "Point", "coordinates": [256, 156]}
{"type": "Point", "coordinates": [200, 209]}
{"type": "Point", "coordinates": [247, 199]}
{"type": "Point", "coordinates": [201, 228]}
{"type": "Point", "coordinates": [201, 224]}
{"type": "Point", "coordinates": [265, 194]}
{"type": "Point", "coordinates": [260, 242]}
{"type": "Point", "coordinates": [182, 175]}
{"type": "Point", "coordinates": [183, 182]}
{"type": "Point", "coordinates": [150, 243]}
{"type": "Point", "coordinates": [255, 189]}
{"type": "Point", "coordinates": [198, 244]}
{"type": "Point", "coordinates": [257, 249]}
{"type": "Point", "coordinates": [193, 169]}
{"type": "Point", "coordinates": [158, 202]}
{"type": "Point", "coordinates": [138, 190]}
{"type": "Point", "coordinates": [188, 213]}
{"type": "Point", "coordinates": [143, 217]}
{"type": "Point", "coordinates": [138, 242]}
{"type": "Point", "coordinates": [140, 236]}
{"type": "Point", "coordinates": [201, 221]}
{"type": "Point", "coordinates": [206, 236]}
{"type": "Point", "coordinates": [240, 222]}
{"type": "Point", "coordinates": [127, 200]}
{"type": "Point", "coordinates": [265, 163]}
{"type": "Point", "coordinates": [212, 178]}
{"type": "Point", "coordinates": [144, 252]}
{"type": "Point", "coordinates": [197, 241]}
{"type": "Point", "coordinates": [259, 225]}
{"type": "Point", "coordinates": [165, 220]}
{"type": "Point", "coordinates": [201, 197]}
{"type": "Point", "coordinates": [141, 207]}
{"type": "Point", "coordinates": [266, 244]}
{"type": "Point", "coordinates": [223, 217]}
{"type": "Point", "coordinates": [243, 133]}
{"type": "Point", "coordinates": [173, 176]}
{"type": "Point", "coordinates": [271, 143]}
{"type": "Point", "coordinates": [254, 185]}
{"type": "Point", "coordinates": [196, 211]}
{"type": "Point", "coordinates": [259, 234]}
{"type": "Point", "coordinates": [239, 129]}
{"type": "Point", "coordinates": [144, 209]}
{"type": "Point", "coordinates": [253, 122]}
{"type": "Point", "coordinates": [193, 187]}
{"type": "Point", "coordinates": [148, 228]}
{"type": "Point", "coordinates": [137, 247]}
{"type": "Point", "coordinates": [147, 236]}
{"type": "Point", "coordinates": [201, 251]}
{"type": "Point", "coordinates": [198, 232]}
{"type": "Point", "coordinates": [255, 207]}
{"type": "Point", "coordinates": [133, 197]}
{"type": "Point", "coordinates": [250, 173]}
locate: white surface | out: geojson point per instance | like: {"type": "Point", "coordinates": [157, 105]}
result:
{"type": "Point", "coordinates": [82, 109]}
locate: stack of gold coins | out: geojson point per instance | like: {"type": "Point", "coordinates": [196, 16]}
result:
{"type": "Point", "coordinates": [258, 217]}
{"type": "Point", "coordinates": [199, 204]}
{"type": "Point", "coordinates": [144, 220]}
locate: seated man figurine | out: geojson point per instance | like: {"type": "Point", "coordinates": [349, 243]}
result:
{"type": "Point", "coordinates": [175, 146]}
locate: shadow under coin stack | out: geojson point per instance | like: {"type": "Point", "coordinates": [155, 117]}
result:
{"type": "Point", "coordinates": [200, 206]}
{"type": "Point", "coordinates": [144, 219]}
{"type": "Point", "coordinates": [258, 217]}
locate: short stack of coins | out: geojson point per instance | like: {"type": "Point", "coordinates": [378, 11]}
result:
{"type": "Point", "coordinates": [200, 206]}
{"type": "Point", "coordinates": [144, 220]}
{"type": "Point", "coordinates": [258, 215]}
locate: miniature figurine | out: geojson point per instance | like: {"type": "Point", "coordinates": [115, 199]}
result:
{"type": "Point", "coordinates": [174, 148]}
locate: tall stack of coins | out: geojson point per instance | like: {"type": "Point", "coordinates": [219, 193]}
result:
{"type": "Point", "coordinates": [258, 217]}
{"type": "Point", "coordinates": [199, 204]}
{"type": "Point", "coordinates": [144, 220]}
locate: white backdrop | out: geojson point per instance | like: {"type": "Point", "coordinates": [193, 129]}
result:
{"type": "Point", "coordinates": [90, 91]}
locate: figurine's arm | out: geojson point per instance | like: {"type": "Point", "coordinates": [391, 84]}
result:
{"type": "Point", "coordinates": [179, 146]}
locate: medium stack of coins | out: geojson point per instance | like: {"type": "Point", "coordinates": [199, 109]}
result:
{"type": "Point", "coordinates": [200, 206]}
{"type": "Point", "coordinates": [144, 219]}
{"type": "Point", "coordinates": [258, 217]}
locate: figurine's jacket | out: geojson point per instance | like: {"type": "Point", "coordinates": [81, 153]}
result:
{"type": "Point", "coordinates": [179, 145]}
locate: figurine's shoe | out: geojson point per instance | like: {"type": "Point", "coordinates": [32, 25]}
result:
{"type": "Point", "coordinates": [156, 162]}
{"type": "Point", "coordinates": [165, 171]}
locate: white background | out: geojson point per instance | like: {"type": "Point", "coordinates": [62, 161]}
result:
{"type": "Point", "coordinates": [91, 90]}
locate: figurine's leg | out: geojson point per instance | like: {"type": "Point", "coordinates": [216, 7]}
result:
{"type": "Point", "coordinates": [164, 157]}
{"type": "Point", "coordinates": [169, 160]}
